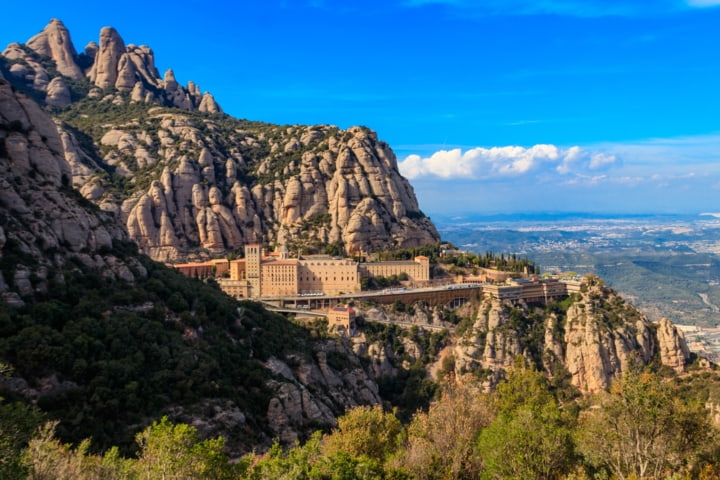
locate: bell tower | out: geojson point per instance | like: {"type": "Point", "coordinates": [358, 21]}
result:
{"type": "Point", "coordinates": [252, 268]}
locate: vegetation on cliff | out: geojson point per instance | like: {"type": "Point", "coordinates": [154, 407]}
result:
{"type": "Point", "coordinates": [103, 355]}
{"type": "Point", "coordinates": [639, 429]}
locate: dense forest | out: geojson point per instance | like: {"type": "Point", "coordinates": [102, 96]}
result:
{"type": "Point", "coordinates": [117, 354]}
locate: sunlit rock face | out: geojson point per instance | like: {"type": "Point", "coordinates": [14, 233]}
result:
{"type": "Point", "coordinates": [44, 225]}
{"type": "Point", "coordinates": [214, 193]}
{"type": "Point", "coordinates": [599, 338]}
{"type": "Point", "coordinates": [187, 181]}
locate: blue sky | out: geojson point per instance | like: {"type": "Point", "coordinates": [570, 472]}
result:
{"type": "Point", "coordinates": [491, 106]}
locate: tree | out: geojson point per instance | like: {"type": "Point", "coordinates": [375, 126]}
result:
{"type": "Point", "coordinates": [524, 386]}
{"type": "Point", "coordinates": [48, 459]}
{"type": "Point", "coordinates": [277, 464]}
{"type": "Point", "coordinates": [532, 443]}
{"type": "Point", "coordinates": [529, 438]}
{"type": "Point", "coordinates": [169, 451]}
{"type": "Point", "coordinates": [18, 422]}
{"type": "Point", "coordinates": [365, 431]}
{"type": "Point", "coordinates": [441, 444]}
{"type": "Point", "coordinates": [642, 429]}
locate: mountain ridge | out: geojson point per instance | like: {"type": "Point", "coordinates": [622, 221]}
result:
{"type": "Point", "coordinates": [192, 182]}
{"type": "Point", "coordinates": [104, 338]}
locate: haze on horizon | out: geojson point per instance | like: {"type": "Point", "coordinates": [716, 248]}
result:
{"type": "Point", "coordinates": [605, 106]}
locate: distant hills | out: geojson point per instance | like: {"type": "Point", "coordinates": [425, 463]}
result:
{"type": "Point", "coordinates": [669, 265]}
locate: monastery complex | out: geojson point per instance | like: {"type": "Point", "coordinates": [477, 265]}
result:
{"type": "Point", "coordinates": [262, 274]}
{"type": "Point", "coordinates": [327, 281]}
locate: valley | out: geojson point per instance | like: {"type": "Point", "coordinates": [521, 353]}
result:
{"type": "Point", "coordinates": [668, 265]}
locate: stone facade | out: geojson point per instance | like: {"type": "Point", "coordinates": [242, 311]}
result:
{"type": "Point", "coordinates": [212, 268]}
{"type": "Point", "coordinates": [342, 318]}
{"type": "Point", "coordinates": [532, 289]}
{"type": "Point", "coordinates": [277, 275]}
{"type": "Point", "coordinates": [418, 270]}
{"type": "Point", "coordinates": [332, 276]}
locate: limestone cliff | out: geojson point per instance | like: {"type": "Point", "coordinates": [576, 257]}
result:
{"type": "Point", "coordinates": [194, 183]}
{"type": "Point", "coordinates": [50, 236]}
{"type": "Point", "coordinates": [187, 181]}
{"type": "Point", "coordinates": [595, 340]}
{"type": "Point", "coordinates": [43, 223]}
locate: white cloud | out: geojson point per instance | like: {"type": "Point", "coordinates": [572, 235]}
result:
{"type": "Point", "coordinates": [601, 160]}
{"type": "Point", "coordinates": [505, 162]}
{"type": "Point", "coordinates": [676, 174]}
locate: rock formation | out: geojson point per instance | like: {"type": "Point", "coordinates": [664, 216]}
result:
{"type": "Point", "coordinates": [314, 392]}
{"type": "Point", "coordinates": [112, 66]}
{"type": "Point", "coordinates": [674, 351]}
{"type": "Point", "coordinates": [599, 338]}
{"type": "Point", "coordinates": [40, 215]}
{"type": "Point", "coordinates": [104, 71]}
{"type": "Point", "coordinates": [58, 94]}
{"type": "Point", "coordinates": [197, 186]}
{"type": "Point", "coordinates": [54, 42]}
{"type": "Point", "coordinates": [213, 185]}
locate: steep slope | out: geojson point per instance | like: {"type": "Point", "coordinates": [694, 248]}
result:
{"type": "Point", "coordinates": [188, 181]}
{"type": "Point", "coordinates": [41, 214]}
{"type": "Point", "coordinates": [107, 340]}
{"type": "Point", "coordinates": [592, 338]}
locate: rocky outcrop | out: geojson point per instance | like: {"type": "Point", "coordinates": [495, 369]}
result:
{"type": "Point", "coordinates": [595, 353]}
{"type": "Point", "coordinates": [104, 71]}
{"type": "Point", "coordinates": [54, 42]}
{"type": "Point", "coordinates": [599, 338]}
{"type": "Point", "coordinates": [674, 351]}
{"type": "Point", "coordinates": [208, 104]}
{"type": "Point", "coordinates": [58, 94]}
{"type": "Point", "coordinates": [315, 393]}
{"type": "Point", "coordinates": [112, 66]}
{"type": "Point", "coordinates": [41, 216]}
{"type": "Point", "coordinates": [213, 186]}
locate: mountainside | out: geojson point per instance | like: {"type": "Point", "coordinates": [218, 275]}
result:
{"type": "Point", "coordinates": [106, 340]}
{"type": "Point", "coordinates": [187, 181]}
{"type": "Point", "coordinates": [591, 339]}
{"type": "Point", "coordinates": [49, 64]}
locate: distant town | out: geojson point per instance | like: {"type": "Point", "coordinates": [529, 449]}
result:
{"type": "Point", "coordinates": [577, 233]}
{"type": "Point", "coordinates": [704, 341]}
